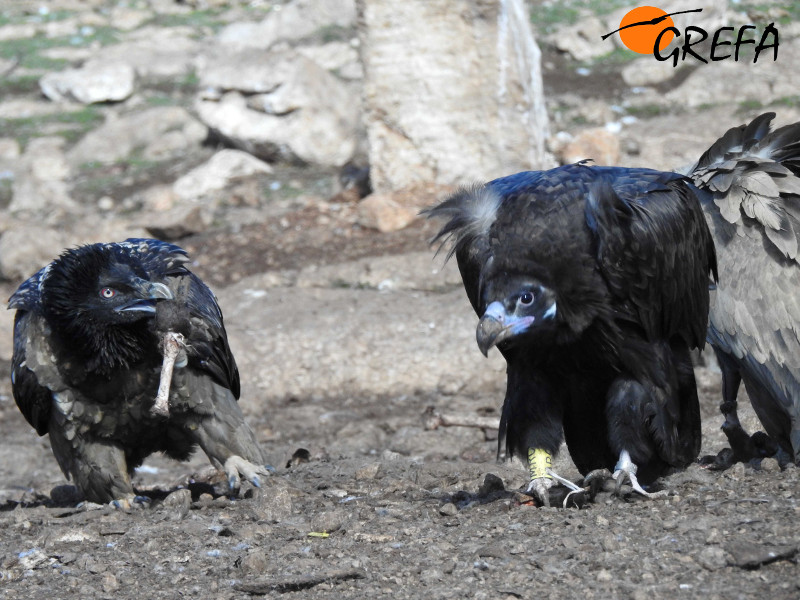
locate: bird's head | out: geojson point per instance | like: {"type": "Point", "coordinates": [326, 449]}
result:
{"type": "Point", "coordinates": [95, 296]}
{"type": "Point", "coordinates": [519, 309]}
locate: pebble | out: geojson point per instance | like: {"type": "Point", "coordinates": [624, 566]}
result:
{"type": "Point", "coordinates": [448, 510]}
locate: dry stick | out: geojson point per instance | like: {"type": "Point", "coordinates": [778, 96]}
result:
{"type": "Point", "coordinates": [434, 420]}
{"type": "Point", "coordinates": [172, 344]}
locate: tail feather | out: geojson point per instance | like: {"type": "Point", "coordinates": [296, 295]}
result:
{"type": "Point", "coordinates": [753, 173]}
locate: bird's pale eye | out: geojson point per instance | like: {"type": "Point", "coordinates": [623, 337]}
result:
{"type": "Point", "coordinates": [108, 293]}
{"type": "Point", "coordinates": [526, 298]}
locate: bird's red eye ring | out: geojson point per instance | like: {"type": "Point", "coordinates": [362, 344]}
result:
{"type": "Point", "coordinates": [526, 298]}
{"type": "Point", "coordinates": [108, 293]}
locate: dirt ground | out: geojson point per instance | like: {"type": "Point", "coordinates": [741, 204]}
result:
{"type": "Point", "coordinates": [384, 507]}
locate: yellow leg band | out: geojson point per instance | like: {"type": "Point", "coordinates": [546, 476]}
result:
{"type": "Point", "coordinates": [538, 462]}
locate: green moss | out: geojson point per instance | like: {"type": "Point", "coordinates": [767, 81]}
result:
{"type": "Point", "coordinates": [746, 105]}
{"type": "Point", "coordinates": [790, 101]}
{"type": "Point", "coordinates": [196, 19]}
{"type": "Point", "coordinates": [77, 123]}
{"type": "Point", "coordinates": [647, 111]}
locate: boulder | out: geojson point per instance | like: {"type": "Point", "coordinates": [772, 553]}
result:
{"type": "Point", "coordinates": [280, 106]}
{"type": "Point", "coordinates": [97, 81]}
{"type": "Point", "coordinates": [581, 40]}
{"type": "Point", "coordinates": [453, 91]}
{"type": "Point", "coordinates": [218, 173]}
{"type": "Point", "coordinates": [161, 52]}
{"type": "Point", "coordinates": [39, 182]}
{"type": "Point", "coordinates": [293, 21]}
{"type": "Point", "coordinates": [596, 144]}
{"type": "Point", "coordinates": [158, 133]}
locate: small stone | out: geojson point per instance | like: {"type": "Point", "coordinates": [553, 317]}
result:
{"type": "Point", "coordinates": [328, 521]}
{"type": "Point", "coordinates": [110, 583]}
{"type": "Point", "coordinates": [369, 472]}
{"type": "Point", "coordinates": [448, 510]}
{"type": "Point", "coordinates": [712, 558]}
{"type": "Point", "coordinates": [180, 501]}
{"type": "Point", "coordinates": [604, 575]}
{"type": "Point", "coordinates": [770, 465]}
{"type": "Point", "coordinates": [272, 503]}
{"type": "Point", "coordinates": [737, 471]}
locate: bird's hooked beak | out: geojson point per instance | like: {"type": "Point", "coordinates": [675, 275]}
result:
{"type": "Point", "coordinates": [149, 292]}
{"type": "Point", "coordinates": [496, 325]}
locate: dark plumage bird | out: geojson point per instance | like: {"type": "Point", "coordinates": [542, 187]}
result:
{"type": "Point", "coordinates": [594, 284]}
{"type": "Point", "coordinates": [753, 209]}
{"type": "Point", "coordinates": [87, 362]}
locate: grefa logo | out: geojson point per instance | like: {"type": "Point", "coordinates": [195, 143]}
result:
{"type": "Point", "coordinates": [649, 30]}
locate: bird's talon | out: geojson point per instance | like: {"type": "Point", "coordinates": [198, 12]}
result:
{"type": "Point", "coordinates": [541, 488]}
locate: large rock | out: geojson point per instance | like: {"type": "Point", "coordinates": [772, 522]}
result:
{"type": "Point", "coordinates": [218, 173]}
{"type": "Point", "coordinates": [581, 40]}
{"type": "Point", "coordinates": [647, 71]}
{"type": "Point", "coordinates": [392, 211]}
{"type": "Point", "coordinates": [158, 51]}
{"type": "Point", "coordinates": [597, 144]}
{"type": "Point", "coordinates": [25, 249]}
{"type": "Point", "coordinates": [453, 91]}
{"type": "Point", "coordinates": [280, 105]}
{"type": "Point", "coordinates": [292, 21]}
{"type": "Point", "coordinates": [96, 81]}
{"type": "Point", "coordinates": [158, 133]}
{"type": "Point", "coordinates": [40, 187]}
{"type": "Point", "coordinates": [722, 82]}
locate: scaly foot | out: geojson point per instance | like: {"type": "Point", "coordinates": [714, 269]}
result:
{"type": "Point", "coordinates": [237, 467]}
{"type": "Point", "coordinates": [626, 469]}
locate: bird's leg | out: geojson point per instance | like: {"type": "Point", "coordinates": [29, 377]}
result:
{"type": "Point", "coordinates": [738, 438]}
{"type": "Point", "coordinates": [172, 344]}
{"type": "Point", "coordinates": [543, 477]}
{"type": "Point", "coordinates": [626, 469]}
{"type": "Point", "coordinates": [539, 463]}
{"type": "Point", "coordinates": [227, 440]}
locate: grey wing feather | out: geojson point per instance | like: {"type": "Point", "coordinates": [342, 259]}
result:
{"type": "Point", "coordinates": [34, 399]}
{"type": "Point", "coordinates": [752, 173]}
{"type": "Point", "coordinates": [753, 178]}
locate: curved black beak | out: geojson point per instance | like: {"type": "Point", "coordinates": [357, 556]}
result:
{"type": "Point", "coordinates": [149, 293]}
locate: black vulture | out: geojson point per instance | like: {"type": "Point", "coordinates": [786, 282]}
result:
{"type": "Point", "coordinates": [593, 282]}
{"type": "Point", "coordinates": [89, 334]}
{"type": "Point", "coordinates": [753, 209]}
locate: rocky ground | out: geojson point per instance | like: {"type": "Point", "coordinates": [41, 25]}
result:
{"type": "Point", "coordinates": [347, 331]}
